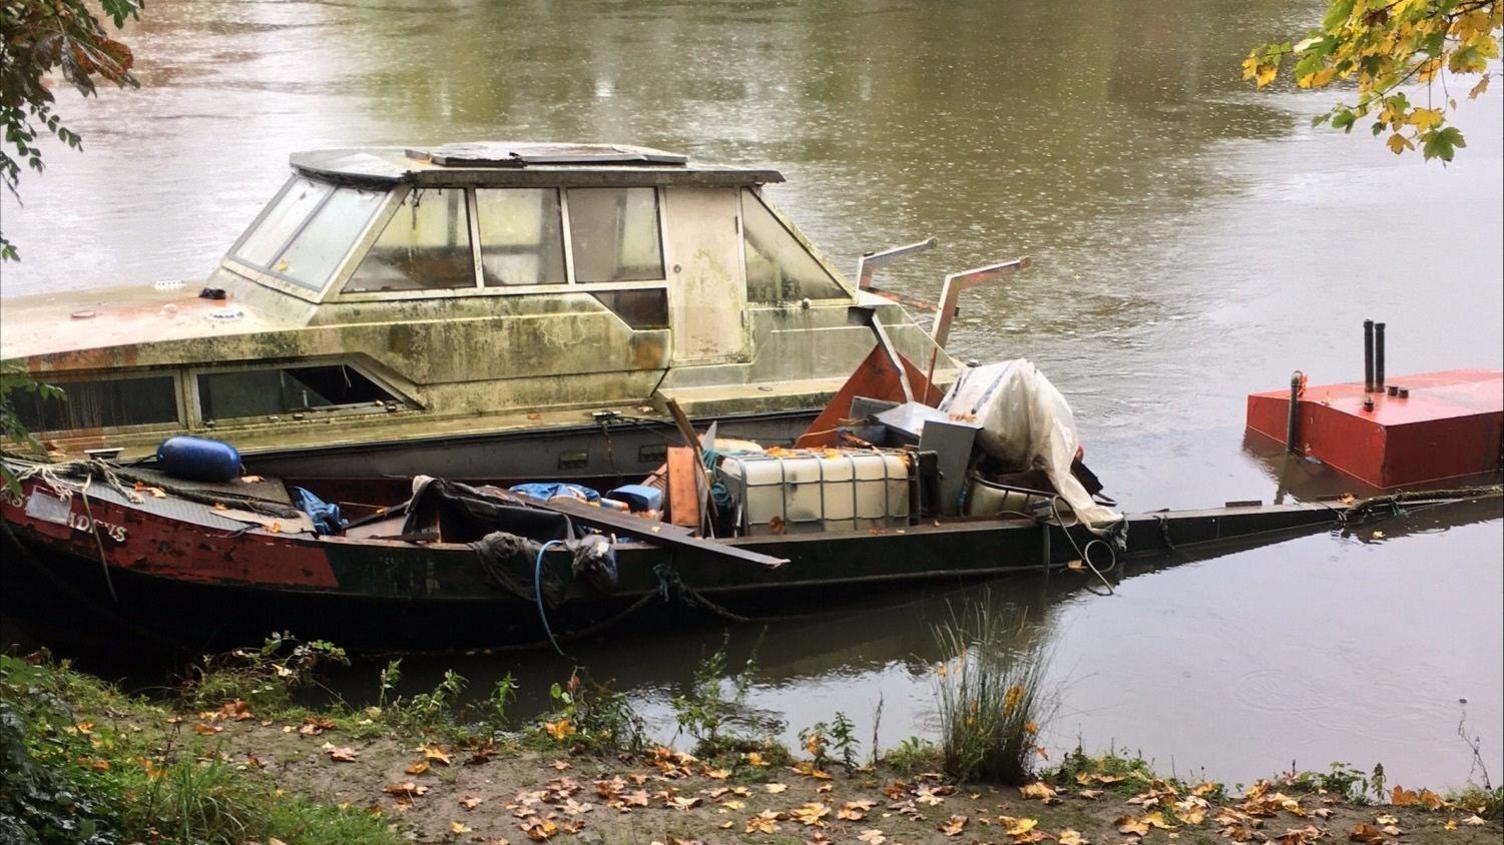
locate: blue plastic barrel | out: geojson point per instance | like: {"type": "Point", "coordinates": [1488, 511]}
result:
{"type": "Point", "coordinates": [198, 459]}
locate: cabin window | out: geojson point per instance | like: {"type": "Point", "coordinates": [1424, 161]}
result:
{"type": "Point", "coordinates": [317, 251]}
{"type": "Point", "coordinates": [425, 246]}
{"type": "Point", "coordinates": [255, 393]}
{"type": "Point", "coordinates": [521, 238]}
{"type": "Point", "coordinates": [262, 243]}
{"type": "Point", "coordinates": [105, 403]}
{"type": "Point", "coordinates": [613, 234]}
{"type": "Point", "coordinates": [779, 267]}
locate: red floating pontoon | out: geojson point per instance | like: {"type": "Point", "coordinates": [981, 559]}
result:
{"type": "Point", "coordinates": [1441, 425]}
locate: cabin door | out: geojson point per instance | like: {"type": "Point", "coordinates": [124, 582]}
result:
{"type": "Point", "coordinates": [706, 294]}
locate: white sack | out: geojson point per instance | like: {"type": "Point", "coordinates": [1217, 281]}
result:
{"type": "Point", "coordinates": [1025, 422]}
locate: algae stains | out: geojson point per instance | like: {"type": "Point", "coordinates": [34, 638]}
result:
{"type": "Point", "coordinates": [648, 351]}
{"type": "Point", "coordinates": [404, 340]}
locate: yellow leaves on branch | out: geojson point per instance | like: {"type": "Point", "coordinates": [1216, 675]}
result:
{"type": "Point", "coordinates": [1381, 46]}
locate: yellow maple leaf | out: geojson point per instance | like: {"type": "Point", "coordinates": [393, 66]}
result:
{"type": "Point", "coordinates": [1423, 119]}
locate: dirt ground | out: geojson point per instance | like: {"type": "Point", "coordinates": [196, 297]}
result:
{"type": "Point", "coordinates": [439, 793]}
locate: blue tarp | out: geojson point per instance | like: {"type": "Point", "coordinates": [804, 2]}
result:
{"type": "Point", "coordinates": [550, 489]}
{"type": "Point", "coordinates": [325, 517]}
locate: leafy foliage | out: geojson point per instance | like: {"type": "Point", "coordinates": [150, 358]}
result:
{"type": "Point", "coordinates": [36, 38]}
{"type": "Point", "coordinates": [266, 677]}
{"type": "Point", "coordinates": [14, 380]}
{"type": "Point", "coordinates": [713, 710]}
{"type": "Point", "coordinates": [63, 780]}
{"type": "Point", "coordinates": [1383, 45]}
{"type": "Point", "coordinates": [593, 717]}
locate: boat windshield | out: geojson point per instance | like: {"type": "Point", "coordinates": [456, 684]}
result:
{"type": "Point", "coordinates": [307, 230]}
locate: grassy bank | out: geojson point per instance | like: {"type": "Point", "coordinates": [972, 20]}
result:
{"type": "Point", "coordinates": [84, 763]}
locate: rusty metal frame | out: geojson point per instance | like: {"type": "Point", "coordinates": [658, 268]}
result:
{"type": "Point", "coordinates": [955, 283]}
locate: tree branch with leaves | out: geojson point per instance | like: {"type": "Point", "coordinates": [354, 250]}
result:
{"type": "Point", "coordinates": [38, 37]}
{"type": "Point", "coordinates": [1383, 46]}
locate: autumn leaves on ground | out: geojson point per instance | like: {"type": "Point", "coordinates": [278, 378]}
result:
{"type": "Point", "coordinates": [233, 759]}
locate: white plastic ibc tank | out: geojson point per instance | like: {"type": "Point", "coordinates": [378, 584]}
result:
{"type": "Point", "coordinates": [826, 490]}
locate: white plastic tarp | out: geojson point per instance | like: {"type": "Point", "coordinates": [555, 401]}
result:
{"type": "Point", "coordinates": [1025, 422]}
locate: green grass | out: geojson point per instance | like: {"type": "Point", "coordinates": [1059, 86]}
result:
{"type": "Point", "coordinates": [80, 765]}
{"type": "Point", "coordinates": [991, 695]}
{"type": "Point", "coordinates": [1488, 803]}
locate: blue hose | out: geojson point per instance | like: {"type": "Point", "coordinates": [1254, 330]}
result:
{"type": "Point", "coordinates": [538, 594]}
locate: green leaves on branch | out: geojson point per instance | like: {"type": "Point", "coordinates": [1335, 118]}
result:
{"type": "Point", "coordinates": [38, 37]}
{"type": "Point", "coordinates": [1380, 46]}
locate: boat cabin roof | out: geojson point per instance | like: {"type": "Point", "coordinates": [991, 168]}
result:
{"type": "Point", "coordinates": [512, 163]}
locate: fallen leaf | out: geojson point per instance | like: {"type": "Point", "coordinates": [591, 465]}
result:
{"type": "Point", "coordinates": [1037, 791]}
{"type": "Point", "coordinates": [406, 789]}
{"type": "Point", "coordinates": [1090, 794]}
{"type": "Point", "coordinates": [1385, 818]}
{"type": "Point", "coordinates": [855, 810]}
{"type": "Point", "coordinates": [460, 827]}
{"type": "Point", "coordinates": [539, 830]}
{"type": "Point", "coordinates": [1021, 827]}
{"type": "Point", "coordinates": [1131, 825]}
{"type": "Point", "coordinates": [775, 788]}
{"type": "Point", "coordinates": [811, 814]}
{"type": "Point", "coordinates": [417, 768]}
{"type": "Point", "coordinates": [764, 822]}
{"type": "Point", "coordinates": [953, 826]}
{"type": "Point", "coordinates": [1366, 833]}
{"type": "Point", "coordinates": [343, 754]}
{"type": "Point", "coordinates": [1474, 821]}
{"type": "Point", "coordinates": [871, 836]}
{"type": "Point", "coordinates": [435, 753]}
{"type": "Point", "coordinates": [470, 802]}
{"type": "Point", "coordinates": [1072, 837]}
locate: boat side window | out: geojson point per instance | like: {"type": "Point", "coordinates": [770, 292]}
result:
{"type": "Point", "coordinates": [521, 237]}
{"type": "Point", "coordinates": [103, 403]}
{"type": "Point", "coordinates": [298, 199]}
{"type": "Point", "coordinates": [425, 246]}
{"type": "Point", "coordinates": [319, 248]}
{"type": "Point", "coordinates": [613, 234]}
{"type": "Point", "coordinates": [253, 393]}
{"type": "Point", "coordinates": [779, 267]}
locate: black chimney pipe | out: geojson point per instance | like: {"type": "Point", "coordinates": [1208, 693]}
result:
{"type": "Point", "coordinates": [1368, 356]}
{"type": "Point", "coordinates": [1378, 356]}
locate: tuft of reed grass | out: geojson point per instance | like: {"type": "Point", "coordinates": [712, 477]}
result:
{"type": "Point", "coordinates": [991, 695]}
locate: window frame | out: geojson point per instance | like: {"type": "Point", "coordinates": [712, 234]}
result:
{"type": "Point", "coordinates": [62, 380]}
{"type": "Point", "coordinates": [480, 289]}
{"type": "Point", "coordinates": [195, 401]}
{"type": "Point", "coordinates": [793, 232]}
{"type": "Point", "coordinates": [268, 277]}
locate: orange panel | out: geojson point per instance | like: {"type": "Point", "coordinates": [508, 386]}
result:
{"type": "Point", "coordinates": [683, 497]}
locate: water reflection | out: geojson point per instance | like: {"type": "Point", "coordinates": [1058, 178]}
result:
{"type": "Point", "coordinates": [1193, 241]}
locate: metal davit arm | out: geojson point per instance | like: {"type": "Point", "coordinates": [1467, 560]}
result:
{"type": "Point", "coordinates": [955, 283]}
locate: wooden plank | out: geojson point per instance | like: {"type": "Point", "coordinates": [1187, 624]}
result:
{"type": "Point", "coordinates": [682, 489]}
{"type": "Point", "coordinates": [656, 533]}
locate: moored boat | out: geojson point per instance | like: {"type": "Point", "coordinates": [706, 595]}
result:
{"type": "Point", "coordinates": [468, 310]}
{"type": "Point", "coordinates": [119, 552]}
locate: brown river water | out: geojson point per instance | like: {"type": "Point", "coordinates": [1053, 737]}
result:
{"type": "Point", "coordinates": [1192, 240]}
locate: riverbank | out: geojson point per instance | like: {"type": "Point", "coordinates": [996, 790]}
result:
{"type": "Point", "coordinates": [84, 760]}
